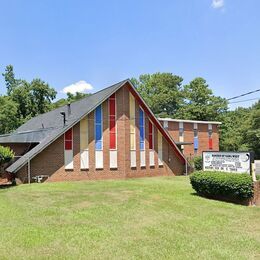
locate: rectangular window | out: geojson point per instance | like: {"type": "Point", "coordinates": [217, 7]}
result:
{"type": "Point", "coordinates": [84, 154]}
{"type": "Point", "coordinates": [181, 134]}
{"type": "Point", "coordinates": [68, 149]}
{"type": "Point", "coordinates": [112, 132]}
{"type": "Point", "coordinates": [98, 128]}
{"type": "Point", "coordinates": [151, 143]}
{"type": "Point", "coordinates": [210, 136]}
{"type": "Point", "coordinates": [132, 130]}
{"type": "Point", "coordinates": [150, 135]}
{"type": "Point", "coordinates": [142, 129]}
{"type": "Point", "coordinates": [160, 149]}
{"type": "Point", "coordinates": [196, 140]}
{"type": "Point", "coordinates": [99, 137]}
{"type": "Point", "coordinates": [142, 136]}
{"type": "Point", "coordinates": [112, 122]}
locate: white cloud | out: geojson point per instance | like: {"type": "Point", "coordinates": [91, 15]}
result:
{"type": "Point", "coordinates": [217, 4]}
{"type": "Point", "coordinates": [80, 86]}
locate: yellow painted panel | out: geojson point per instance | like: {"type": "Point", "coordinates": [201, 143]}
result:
{"type": "Point", "coordinates": [159, 141]}
{"type": "Point", "coordinates": [132, 106]}
{"type": "Point", "coordinates": [84, 134]}
{"type": "Point", "coordinates": [132, 141]}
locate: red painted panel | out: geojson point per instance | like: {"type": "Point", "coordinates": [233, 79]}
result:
{"type": "Point", "coordinates": [68, 135]}
{"type": "Point", "coordinates": [210, 143]}
{"type": "Point", "coordinates": [113, 96]}
{"type": "Point", "coordinates": [112, 125]}
{"type": "Point", "coordinates": [150, 135]}
{"type": "Point", "coordinates": [68, 145]}
{"type": "Point", "coordinates": [112, 107]}
{"type": "Point", "coordinates": [112, 144]}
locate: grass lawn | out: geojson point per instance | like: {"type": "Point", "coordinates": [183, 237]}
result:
{"type": "Point", "coordinates": [149, 218]}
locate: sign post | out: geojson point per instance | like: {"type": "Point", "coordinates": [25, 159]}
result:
{"type": "Point", "coordinates": [238, 162]}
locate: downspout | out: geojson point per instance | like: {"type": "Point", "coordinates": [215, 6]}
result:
{"type": "Point", "coordinates": [29, 171]}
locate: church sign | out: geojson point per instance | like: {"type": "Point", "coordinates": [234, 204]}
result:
{"type": "Point", "coordinates": [238, 162]}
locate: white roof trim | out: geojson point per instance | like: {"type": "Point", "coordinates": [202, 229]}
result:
{"type": "Point", "coordinates": [189, 121]}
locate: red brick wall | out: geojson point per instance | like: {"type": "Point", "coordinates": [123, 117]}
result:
{"type": "Point", "coordinates": [51, 160]}
{"type": "Point", "coordinates": [203, 137]}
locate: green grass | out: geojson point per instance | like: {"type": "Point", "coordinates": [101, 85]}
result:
{"type": "Point", "coordinates": [149, 218]}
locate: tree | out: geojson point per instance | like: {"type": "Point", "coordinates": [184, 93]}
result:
{"type": "Point", "coordinates": [8, 115]}
{"type": "Point", "coordinates": [41, 96]}
{"type": "Point", "coordinates": [233, 126]}
{"type": "Point", "coordinates": [199, 103]}
{"type": "Point", "coordinates": [252, 134]}
{"type": "Point", "coordinates": [10, 80]}
{"type": "Point", "coordinates": [161, 91]}
{"type": "Point", "coordinates": [23, 101]}
{"type": "Point", "coordinates": [70, 98]}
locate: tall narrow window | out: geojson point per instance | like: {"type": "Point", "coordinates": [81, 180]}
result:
{"type": "Point", "coordinates": [160, 149]}
{"type": "Point", "coordinates": [132, 130]}
{"type": "Point", "coordinates": [112, 131]}
{"type": "Point", "coordinates": [181, 134]}
{"type": "Point", "coordinates": [68, 149]}
{"type": "Point", "coordinates": [84, 153]}
{"type": "Point", "coordinates": [210, 136]}
{"type": "Point", "coordinates": [99, 137]}
{"type": "Point", "coordinates": [151, 143]}
{"type": "Point", "coordinates": [142, 136]}
{"type": "Point", "coordinates": [196, 140]}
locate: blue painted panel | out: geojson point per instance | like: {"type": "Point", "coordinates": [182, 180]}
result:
{"type": "Point", "coordinates": [98, 145]}
{"type": "Point", "coordinates": [141, 117]}
{"type": "Point", "coordinates": [141, 127]}
{"type": "Point", "coordinates": [196, 143]}
{"type": "Point", "coordinates": [98, 115]}
{"type": "Point", "coordinates": [142, 145]}
{"type": "Point", "coordinates": [98, 132]}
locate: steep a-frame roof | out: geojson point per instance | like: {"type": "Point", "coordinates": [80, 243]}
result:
{"type": "Point", "coordinates": [53, 120]}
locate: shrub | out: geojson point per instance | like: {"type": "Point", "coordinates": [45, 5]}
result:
{"type": "Point", "coordinates": [6, 154]}
{"type": "Point", "coordinates": [197, 161]}
{"type": "Point", "coordinates": [220, 184]}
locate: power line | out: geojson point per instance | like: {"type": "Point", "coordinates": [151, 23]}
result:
{"type": "Point", "coordinates": [245, 94]}
{"type": "Point", "coordinates": [245, 100]}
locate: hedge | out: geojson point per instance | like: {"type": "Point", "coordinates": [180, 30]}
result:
{"type": "Point", "coordinates": [225, 185]}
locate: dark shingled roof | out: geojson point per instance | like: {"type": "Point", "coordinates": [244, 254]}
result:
{"type": "Point", "coordinates": [47, 127]}
{"type": "Point", "coordinates": [54, 122]}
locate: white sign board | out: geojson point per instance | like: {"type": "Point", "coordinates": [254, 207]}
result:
{"type": "Point", "coordinates": [238, 162]}
{"type": "Point", "coordinates": [257, 167]}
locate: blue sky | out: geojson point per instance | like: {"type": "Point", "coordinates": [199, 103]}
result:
{"type": "Point", "coordinates": [103, 42]}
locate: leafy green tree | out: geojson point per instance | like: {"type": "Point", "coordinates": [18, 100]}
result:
{"type": "Point", "coordinates": [233, 126]}
{"type": "Point", "coordinates": [161, 91]}
{"type": "Point", "coordinates": [41, 96]}
{"type": "Point", "coordinates": [10, 80]}
{"type": "Point", "coordinates": [199, 103]}
{"type": "Point", "coordinates": [6, 155]}
{"type": "Point", "coordinates": [252, 134]}
{"type": "Point", "coordinates": [8, 115]}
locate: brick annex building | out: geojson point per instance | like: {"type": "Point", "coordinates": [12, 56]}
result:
{"type": "Point", "coordinates": [193, 137]}
{"type": "Point", "coordinates": [110, 134]}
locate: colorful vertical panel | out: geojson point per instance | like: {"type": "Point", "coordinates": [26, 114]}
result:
{"type": "Point", "coordinates": [99, 137]}
{"type": "Point", "coordinates": [210, 136]}
{"type": "Point", "coordinates": [142, 136]}
{"type": "Point", "coordinates": [160, 149]}
{"type": "Point", "coordinates": [68, 149]}
{"type": "Point", "coordinates": [112, 122]}
{"type": "Point", "coordinates": [132, 130]}
{"type": "Point", "coordinates": [181, 134]}
{"type": "Point", "coordinates": [112, 132]}
{"type": "Point", "coordinates": [142, 129]}
{"type": "Point", "coordinates": [151, 143]}
{"type": "Point", "coordinates": [84, 153]}
{"type": "Point", "coordinates": [196, 140]}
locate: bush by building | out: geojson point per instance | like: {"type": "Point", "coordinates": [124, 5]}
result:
{"type": "Point", "coordinates": [224, 185]}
